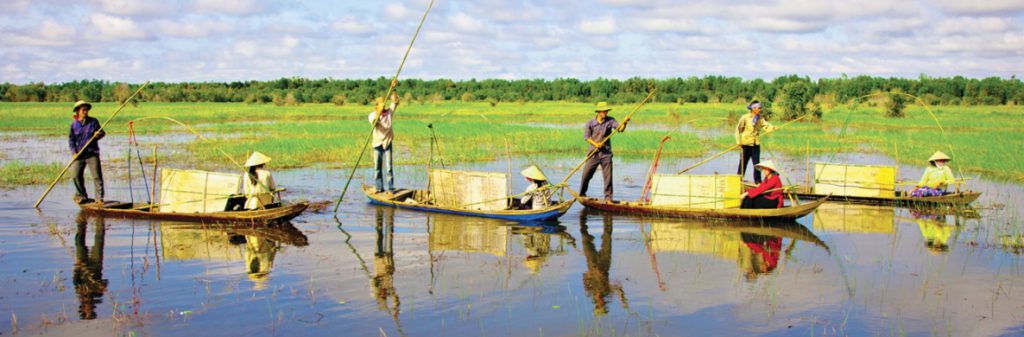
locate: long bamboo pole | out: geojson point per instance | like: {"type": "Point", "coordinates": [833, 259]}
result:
{"type": "Point", "coordinates": [601, 143]}
{"type": "Point", "coordinates": [75, 157]}
{"type": "Point", "coordinates": [376, 115]}
{"type": "Point", "coordinates": [702, 162]}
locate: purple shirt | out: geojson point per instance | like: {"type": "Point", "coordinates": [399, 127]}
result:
{"type": "Point", "coordinates": [80, 133]}
{"type": "Point", "coordinates": [597, 131]}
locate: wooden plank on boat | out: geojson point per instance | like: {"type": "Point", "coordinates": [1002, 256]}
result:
{"type": "Point", "coordinates": [475, 190]}
{"type": "Point", "coordinates": [854, 180]}
{"type": "Point", "coordinates": [716, 191]}
{"type": "Point", "coordinates": [195, 191]}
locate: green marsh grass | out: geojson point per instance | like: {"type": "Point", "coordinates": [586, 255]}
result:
{"type": "Point", "coordinates": [983, 138]}
{"type": "Point", "coordinates": [16, 173]}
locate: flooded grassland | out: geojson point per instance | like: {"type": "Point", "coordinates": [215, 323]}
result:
{"type": "Point", "coordinates": [845, 270]}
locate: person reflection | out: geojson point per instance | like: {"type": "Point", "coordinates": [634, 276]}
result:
{"type": "Point", "coordinates": [88, 274]}
{"type": "Point", "coordinates": [595, 279]}
{"type": "Point", "coordinates": [763, 256]}
{"type": "Point", "coordinates": [383, 283]}
{"type": "Point", "coordinates": [538, 248]}
{"type": "Point", "coordinates": [259, 259]}
{"type": "Point", "coordinates": [935, 231]}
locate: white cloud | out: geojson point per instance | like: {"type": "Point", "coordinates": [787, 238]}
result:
{"type": "Point", "coordinates": [465, 23]}
{"type": "Point", "coordinates": [232, 7]}
{"type": "Point", "coordinates": [193, 30]}
{"type": "Point", "coordinates": [604, 25]}
{"type": "Point", "coordinates": [971, 25]}
{"type": "Point", "coordinates": [680, 25]}
{"type": "Point", "coordinates": [270, 48]}
{"type": "Point", "coordinates": [986, 7]}
{"type": "Point", "coordinates": [110, 27]}
{"type": "Point", "coordinates": [352, 25]}
{"type": "Point", "coordinates": [396, 12]}
{"type": "Point", "coordinates": [137, 7]}
{"type": "Point", "coordinates": [95, 63]}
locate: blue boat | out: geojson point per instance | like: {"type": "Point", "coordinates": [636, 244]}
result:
{"type": "Point", "coordinates": [406, 199]}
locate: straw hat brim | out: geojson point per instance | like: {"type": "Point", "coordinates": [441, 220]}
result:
{"type": "Point", "coordinates": [533, 172]}
{"type": "Point", "coordinates": [939, 156]}
{"type": "Point", "coordinates": [81, 104]}
{"type": "Point", "coordinates": [257, 158]}
{"type": "Point", "coordinates": [768, 164]}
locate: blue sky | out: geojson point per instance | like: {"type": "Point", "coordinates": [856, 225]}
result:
{"type": "Point", "coordinates": [222, 40]}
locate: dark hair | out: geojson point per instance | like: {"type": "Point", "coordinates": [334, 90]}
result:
{"type": "Point", "coordinates": [252, 175]}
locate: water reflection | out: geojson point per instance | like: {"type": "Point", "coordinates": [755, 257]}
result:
{"type": "Point", "coordinates": [383, 280]}
{"type": "Point", "coordinates": [537, 242]}
{"type": "Point", "coordinates": [935, 231]}
{"type": "Point", "coordinates": [756, 248]}
{"type": "Point", "coordinates": [595, 279]}
{"type": "Point", "coordinates": [88, 272]}
{"type": "Point", "coordinates": [851, 218]}
{"type": "Point", "coordinates": [256, 247]}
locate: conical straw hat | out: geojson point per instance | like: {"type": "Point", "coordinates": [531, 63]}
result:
{"type": "Point", "coordinates": [257, 158]}
{"type": "Point", "coordinates": [939, 156]}
{"type": "Point", "coordinates": [533, 172]}
{"type": "Point", "coordinates": [768, 164]}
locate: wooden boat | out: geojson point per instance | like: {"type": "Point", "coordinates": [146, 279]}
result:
{"type": "Point", "coordinates": [901, 199]}
{"type": "Point", "coordinates": [405, 198]}
{"type": "Point", "coordinates": [636, 208]}
{"type": "Point", "coordinates": [129, 210]}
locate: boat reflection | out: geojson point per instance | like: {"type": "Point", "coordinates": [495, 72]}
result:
{"type": "Point", "coordinates": [256, 246]}
{"type": "Point", "coordinates": [852, 218]}
{"type": "Point", "coordinates": [756, 248]}
{"type": "Point", "coordinates": [595, 280]}
{"type": "Point", "coordinates": [88, 270]}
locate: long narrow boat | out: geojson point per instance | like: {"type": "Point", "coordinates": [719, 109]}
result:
{"type": "Point", "coordinates": [403, 198]}
{"type": "Point", "coordinates": [635, 208]}
{"type": "Point", "coordinates": [901, 199]}
{"type": "Point", "coordinates": [129, 210]}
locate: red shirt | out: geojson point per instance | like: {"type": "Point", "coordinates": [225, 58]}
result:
{"type": "Point", "coordinates": [772, 181]}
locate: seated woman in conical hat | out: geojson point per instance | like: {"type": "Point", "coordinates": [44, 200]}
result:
{"type": "Point", "coordinates": [935, 178]}
{"type": "Point", "coordinates": [535, 196]}
{"type": "Point", "coordinates": [767, 194]}
{"type": "Point", "coordinates": [258, 184]}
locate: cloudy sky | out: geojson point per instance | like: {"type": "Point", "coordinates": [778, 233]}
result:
{"type": "Point", "coordinates": [224, 40]}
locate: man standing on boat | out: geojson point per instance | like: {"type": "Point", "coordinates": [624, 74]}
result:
{"type": "Point", "coordinates": [748, 137]}
{"type": "Point", "coordinates": [382, 135]}
{"type": "Point", "coordinates": [594, 132]}
{"type": "Point", "coordinates": [82, 130]}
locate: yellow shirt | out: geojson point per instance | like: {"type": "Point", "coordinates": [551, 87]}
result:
{"type": "Point", "coordinates": [935, 177]}
{"type": "Point", "coordinates": [748, 133]}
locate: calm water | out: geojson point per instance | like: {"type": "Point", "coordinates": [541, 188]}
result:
{"type": "Point", "coordinates": [845, 270]}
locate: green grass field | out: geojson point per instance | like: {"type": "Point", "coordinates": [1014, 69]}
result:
{"type": "Point", "coordinates": [982, 139]}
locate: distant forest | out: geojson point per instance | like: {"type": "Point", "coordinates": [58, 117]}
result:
{"type": "Point", "coordinates": [956, 90]}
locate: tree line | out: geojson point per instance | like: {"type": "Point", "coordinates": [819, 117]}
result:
{"type": "Point", "coordinates": [791, 90]}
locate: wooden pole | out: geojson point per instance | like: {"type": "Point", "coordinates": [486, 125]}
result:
{"type": "Point", "coordinates": [601, 143]}
{"type": "Point", "coordinates": [75, 157]}
{"type": "Point", "coordinates": [702, 162]}
{"type": "Point", "coordinates": [155, 167]}
{"type": "Point", "coordinates": [376, 115]}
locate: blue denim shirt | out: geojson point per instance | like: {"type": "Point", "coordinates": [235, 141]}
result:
{"type": "Point", "coordinates": [80, 133]}
{"type": "Point", "coordinates": [597, 131]}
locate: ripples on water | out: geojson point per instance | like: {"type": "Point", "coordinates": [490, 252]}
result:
{"type": "Point", "coordinates": [845, 270]}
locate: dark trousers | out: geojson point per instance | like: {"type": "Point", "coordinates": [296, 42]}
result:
{"type": "Point", "coordinates": [381, 163]}
{"type": "Point", "coordinates": [759, 202]}
{"type": "Point", "coordinates": [750, 153]}
{"type": "Point", "coordinates": [78, 169]}
{"type": "Point", "coordinates": [605, 161]}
